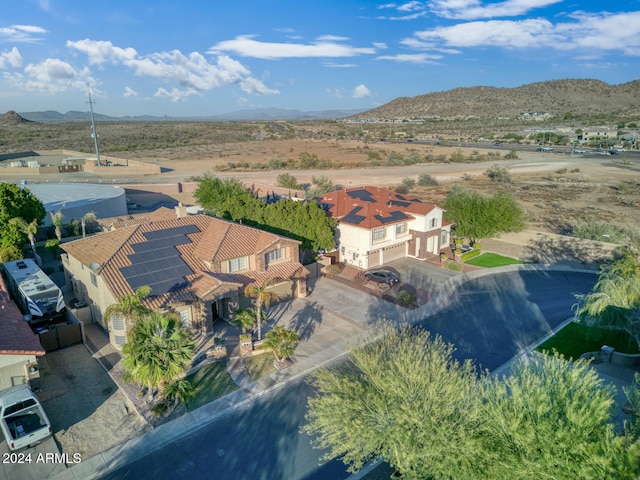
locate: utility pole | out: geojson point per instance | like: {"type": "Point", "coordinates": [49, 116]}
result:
{"type": "Point", "coordinates": [94, 134]}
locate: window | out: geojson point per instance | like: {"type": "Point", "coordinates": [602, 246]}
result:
{"type": "Point", "coordinates": [401, 228]}
{"type": "Point", "coordinates": [94, 280]}
{"type": "Point", "coordinates": [378, 233]}
{"type": "Point", "coordinates": [434, 222]}
{"type": "Point", "coordinates": [238, 264]}
{"type": "Point", "coordinates": [184, 316]}
{"type": "Point", "coordinates": [275, 255]}
{"type": "Point", "coordinates": [117, 322]}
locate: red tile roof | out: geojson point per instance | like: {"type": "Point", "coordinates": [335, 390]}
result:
{"type": "Point", "coordinates": [371, 207]}
{"type": "Point", "coordinates": [217, 240]}
{"type": "Point", "coordinates": [16, 337]}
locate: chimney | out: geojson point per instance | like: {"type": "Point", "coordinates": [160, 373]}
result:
{"type": "Point", "coordinates": [181, 210]}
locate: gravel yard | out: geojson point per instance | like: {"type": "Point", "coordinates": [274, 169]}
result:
{"type": "Point", "coordinates": [88, 413]}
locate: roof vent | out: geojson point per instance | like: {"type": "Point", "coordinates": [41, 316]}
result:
{"type": "Point", "coordinates": [94, 266]}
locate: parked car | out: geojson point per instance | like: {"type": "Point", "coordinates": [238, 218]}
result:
{"type": "Point", "coordinates": [22, 418]}
{"type": "Point", "coordinates": [580, 151]}
{"type": "Point", "coordinates": [599, 151]}
{"type": "Point", "coordinates": [382, 276]}
{"type": "Point", "coordinates": [613, 152]}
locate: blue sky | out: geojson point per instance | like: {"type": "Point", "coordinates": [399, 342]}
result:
{"type": "Point", "coordinates": [195, 57]}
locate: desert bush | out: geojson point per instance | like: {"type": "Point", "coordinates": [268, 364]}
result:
{"type": "Point", "coordinates": [426, 180]}
{"type": "Point", "coordinates": [409, 182]}
{"type": "Point", "coordinates": [360, 278]}
{"type": "Point", "coordinates": [499, 174]}
{"type": "Point", "coordinates": [402, 189]}
{"type": "Point", "coordinates": [561, 171]}
{"type": "Point", "coordinates": [275, 164]}
{"type": "Point", "coordinates": [308, 160]}
{"type": "Point", "coordinates": [371, 155]}
{"type": "Point", "coordinates": [394, 159]}
{"type": "Point", "coordinates": [466, 177]}
{"type": "Point", "coordinates": [286, 180]}
{"type": "Point", "coordinates": [406, 298]}
{"type": "Point", "coordinates": [321, 184]}
{"type": "Point", "coordinates": [512, 155]}
{"type": "Point", "coordinates": [458, 157]}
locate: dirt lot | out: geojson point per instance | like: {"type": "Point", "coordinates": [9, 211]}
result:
{"type": "Point", "coordinates": [76, 392]}
{"type": "Point", "coordinates": [556, 190]}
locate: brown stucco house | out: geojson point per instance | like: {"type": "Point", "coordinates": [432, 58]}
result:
{"type": "Point", "coordinates": [195, 265]}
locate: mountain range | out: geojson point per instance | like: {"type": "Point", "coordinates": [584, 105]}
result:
{"type": "Point", "coordinates": [558, 98]}
{"type": "Point", "coordinates": [263, 114]}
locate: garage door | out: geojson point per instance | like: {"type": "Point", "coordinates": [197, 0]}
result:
{"type": "Point", "coordinates": [374, 259]}
{"type": "Point", "coordinates": [394, 252]}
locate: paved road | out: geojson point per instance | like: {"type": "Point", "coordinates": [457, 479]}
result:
{"type": "Point", "coordinates": [490, 318]}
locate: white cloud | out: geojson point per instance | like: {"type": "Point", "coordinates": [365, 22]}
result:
{"type": "Point", "coordinates": [361, 92]}
{"type": "Point", "coordinates": [193, 73]}
{"type": "Point", "coordinates": [52, 76]}
{"type": "Point", "coordinates": [130, 92]}
{"type": "Point", "coordinates": [175, 95]}
{"type": "Point", "coordinates": [339, 65]}
{"type": "Point", "coordinates": [475, 9]}
{"type": "Point", "coordinates": [100, 51]}
{"type": "Point", "coordinates": [594, 32]}
{"type": "Point", "coordinates": [380, 45]}
{"type": "Point", "coordinates": [11, 58]}
{"type": "Point", "coordinates": [22, 33]}
{"type": "Point", "coordinates": [408, 11]}
{"type": "Point", "coordinates": [246, 46]}
{"type": "Point", "coordinates": [411, 58]}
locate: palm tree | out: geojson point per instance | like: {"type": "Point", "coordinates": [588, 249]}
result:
{"type": "Point", "coordinates": [282, 342]}
{"type": "Point", "coordinates": [263, 297]}
{"type": "Point", "coordinates": [29, 229]}
{"type": "Point", "coordinates": [87, 218]}
{"type": "Point", "coordinates": [158, 352]}
{"type": "Point", "coordinates": [130, 307]}
{"type": "Point", "coordinates": [56, 220]}
{"type": "Point", "coordinates": [245, 318]}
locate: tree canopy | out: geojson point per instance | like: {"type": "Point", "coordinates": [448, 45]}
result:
{"type": "Point", "coordinates": [17, 203]}
{"type": "Point", "coordinates": [405, 399]}
{"type": "Point", "coordinates": [477, 216]}
{"type": "Point", "coordinates": [303, 221]}
{"type": "Point", "coordinates": [615, 299]}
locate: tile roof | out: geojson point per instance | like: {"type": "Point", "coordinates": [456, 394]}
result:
{"type": "Point", "coordinates": [16, 337]}
{"type": "Point", "coordinates": [114, 223]}
{"type": "Point", "coordinates": [371, 207]}
{"type": "Point", "coordinates": [211, 241]}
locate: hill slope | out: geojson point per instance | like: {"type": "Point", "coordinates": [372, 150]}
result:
{"type": "Point", "coordinates": [556, 97]}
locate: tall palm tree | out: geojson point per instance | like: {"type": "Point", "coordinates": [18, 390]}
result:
{"type": "Point", "coordinates": [29, 229]}
{"type": "Point", "coordinates": [87, 218]}
{"type": "Point", "coordinates": [263, 297]}
{"type": "Point", "coordinates": [282, 342]}
{"type": "Point", "coordinates": [158, 352]}
{"type": "Point", "coordinates": [56, 220]}
{"type": "Point", "coordinates": [130, 307]}
{"type": "Point", "coordinates": [245, 318]}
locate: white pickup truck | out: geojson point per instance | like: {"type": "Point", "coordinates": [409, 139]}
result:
{"type": "Point", "coordinates": [22, 418]}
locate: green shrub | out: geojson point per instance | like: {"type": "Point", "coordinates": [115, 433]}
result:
{"type": "Point", "coordinates": [453, 265]}
{"type": "Point", "coordinates": [286, 180]}
{"type": "Point", "coordinates": [499, 174]}
{"type": "Point", "coordinates": [470, 254]}
{"type": "Point", "coordinates": [426, 180]}
{"type": "Point", "coordinates": [408, 182]}
{"type": "Point", "coordinates": [275, 164]}
{"type": "Point", "coordinates": [406, 298]}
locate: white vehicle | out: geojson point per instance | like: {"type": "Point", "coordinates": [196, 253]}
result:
{"type": "Point", "coordinates": [33, 291]}
{"type": "Point", "coordinates": [22, 418]}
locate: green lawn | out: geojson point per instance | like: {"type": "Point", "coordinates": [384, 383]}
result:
{"type": "Point", "coordinates": [490, 260]}
{"type": "Point", "coordinates": [211, 382]}
{"type": "Point", "coordinates": [259, 366]}
{"type": "Point", "coordinates": [576, 339]}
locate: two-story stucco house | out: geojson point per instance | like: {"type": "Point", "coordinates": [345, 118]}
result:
{"type": "Point", "coordinates": [197, 266]}
{"type": "Point", "coordinates": [377, 225]}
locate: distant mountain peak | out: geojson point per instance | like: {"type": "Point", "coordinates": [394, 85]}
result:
{"type": "Point", "coordinates": [12, 118]}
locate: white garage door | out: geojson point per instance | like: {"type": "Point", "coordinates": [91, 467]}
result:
{"type": "Point", "coordinates": [374, 259]}
{"type": "Point", "coordinates": [394, 252]}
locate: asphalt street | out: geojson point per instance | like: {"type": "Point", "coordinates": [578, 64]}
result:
{"type": "Point", "coordinates": [490, 319]}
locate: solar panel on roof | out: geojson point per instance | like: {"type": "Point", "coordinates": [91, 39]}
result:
{"type": "Point", "coordinates": [353, 217]}
{"type": "Point", "coordinates": [398, 203]}
{"type": "Point", "coordinates": [361, 194]}
{"type": "Point", "coordinates": [157, 263]}
{"type": "Point", "coordinates": [393, 217]}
